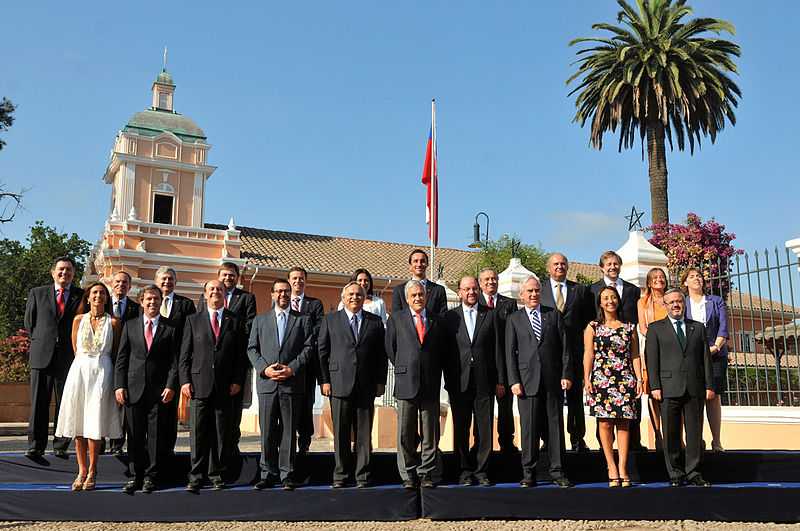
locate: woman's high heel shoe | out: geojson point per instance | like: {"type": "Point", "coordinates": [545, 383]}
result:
{"type": "Point", "coordinates": [625, 482]}
{"type": "Point", "coordinates": [89, 483]}
{"type": "Point", "coordinates": [614, 482]}
{"type": "Point", "coordinates": [78, 483]}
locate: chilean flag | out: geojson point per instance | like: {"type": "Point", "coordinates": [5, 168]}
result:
{"type": "Point", "coordinates": [429, 180]}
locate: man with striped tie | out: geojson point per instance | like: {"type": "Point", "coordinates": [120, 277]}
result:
{"type": "Point", "coordinates": [539, 370]}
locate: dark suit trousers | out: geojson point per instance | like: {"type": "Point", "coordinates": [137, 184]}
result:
{"type": "Point", "coordinates": [530, 410]}
{"type": "Point", "coordinates": [278, 415]}
{"type": "Point", "coordinates": [505, 421]}
{"type": "Point", "coordinates": [305, 427]}
{"type": "Point", "coordinates": [576, 423]}
{"type": "Point", "coordinates": [209, 435]}
{"type": "Point", "coordinates": [43, 383]}
{"type": "Point", "coordinates": [692, 411]}
{"type": "Point", "coordinates": [464, 406]}
{"type": "Point", "coordinates": [236, 413]}
{"type": "Point", "coordinates": [354, 412]}
{"type": "Point", "coordinates": [117, 444]}
{"type": "Point", "coordinates": [411, 414]}
{"type": "Point", "coordinates": [149, 429]}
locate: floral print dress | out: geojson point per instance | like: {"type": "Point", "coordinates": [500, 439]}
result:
{"type": "Point", "coordinates": [613, 378]}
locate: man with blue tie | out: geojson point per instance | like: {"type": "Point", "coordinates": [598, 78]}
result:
{"type": "Point", "coordinates": [281, 344]}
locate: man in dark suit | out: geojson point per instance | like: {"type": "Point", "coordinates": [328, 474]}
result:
{"type": "Point", "coordinates": [417, 343]}
{"type": "Point", "coordinates": [243, 304]}
{"type": "Point", "coordinates": [176, 308]}
{"type": "Point", "coordinates": [353, 363]}
{"type": "Point", "coordinates": [434, 293]}
{"type": "Point", "coordinates": [211, 368]}
{"type": "Point", "coordinates": [610, 263]}
{"type": "Point", "coordinates": [504, 306]}
{"type": "Point", "coordinates": [574, 302]}
{"type": "Point", "coordinates": [124, 309]}
{"type": "Point", "coordinates": [49, 312]}
{"type": "Point", "coordinates": [539, 370]}
{"type": "Point", "coordinates": [281, 344]}
{"type": "Point", "coordinates": [681, 377]}
{"type": "Point", "coordinates": [146, 379]}
{"type": "Point", "coordinates": [475, 374]}
{"type": "Point", "coordinates": [305, 305]}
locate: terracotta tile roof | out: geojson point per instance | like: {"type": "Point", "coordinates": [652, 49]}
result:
{"type": "Point", "coordinates": [742, 301]}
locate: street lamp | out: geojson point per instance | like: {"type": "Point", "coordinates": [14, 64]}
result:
{"type": "Point", "coordinates": [476, 232]}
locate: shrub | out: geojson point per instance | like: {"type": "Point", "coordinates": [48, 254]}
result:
{"type": "Point", "coordinates": [14, 366]}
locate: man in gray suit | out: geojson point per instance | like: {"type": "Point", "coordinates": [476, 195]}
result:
{"type": "Point", "coordinates": [353, 363]}
{"type": "Point", "coordinates": [280, 346]}
{"type": "Point", "coordinates": [681, 377]}
{"type": "Point", "coordinates": [417, 342]}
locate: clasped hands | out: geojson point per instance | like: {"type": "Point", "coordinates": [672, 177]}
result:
{"type": "Point", "coordinates": [278, 372]}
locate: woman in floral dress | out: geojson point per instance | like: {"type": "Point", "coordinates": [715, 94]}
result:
{"type": "Point", "coordinates": [613, 379]}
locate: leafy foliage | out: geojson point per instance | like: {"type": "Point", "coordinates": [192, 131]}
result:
{"type": "Point", "coordinates": [697, 244]}
{"type": "Point", "coordinates": [497, 254]}
{"type": "Point", "coordinates": [6, 117]}
{"type": "Point", "coordinates": [583, 279]}
{"type": "Point", "coordinates": [25, 267]}
{"type": "Point", "coordinates": [14, 365]}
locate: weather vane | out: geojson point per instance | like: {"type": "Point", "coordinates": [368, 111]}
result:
{"type": "Point", "coordinates": [515, 244]}
{"type": "Point", "coordinates": [633, 219]}
{"type": "Point", "coordinates": [440, 271]}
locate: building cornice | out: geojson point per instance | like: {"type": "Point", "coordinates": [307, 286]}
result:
{"type": "Point", "coordinates": [118, 157]}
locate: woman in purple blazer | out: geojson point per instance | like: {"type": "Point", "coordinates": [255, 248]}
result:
{"type": "Point", "coordinates": [710, 310]}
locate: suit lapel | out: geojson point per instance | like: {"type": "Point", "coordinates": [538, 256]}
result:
{"type": "Point", "coordinates": [156, 336]}
{"type": "Point", "coordinates": [291, 320]}
{"type": "Point", "coordinates": [349, 328]}
{"type": "Point", "coordinates": [480, 315]}
{"type": "Point", "coordinates": [548, 297]}
{"type": "Point", "coordinates": [570, 296]}
{"type": "Point", "coordinates": [527, 317]}
{"type": "Point", "coordinates": [409, 319]}
{"type": "Point", "coordinates": [235, 295]}
{"type": "Point", "coordinates": [689, 334]}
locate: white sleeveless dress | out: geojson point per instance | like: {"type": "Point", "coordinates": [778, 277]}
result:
{"type": "Point", "coordinates": [88, 406]}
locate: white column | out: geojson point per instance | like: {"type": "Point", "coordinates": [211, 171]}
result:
{"type": "Point", "coordinates": [197, 200]}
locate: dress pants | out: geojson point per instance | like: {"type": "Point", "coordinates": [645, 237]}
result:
{"type": "Point", "coordinates": [43, 383]}
{"type": "Point", "coordinates": [148, 426]}
{"type": "Point", "coordinates": [278, 415]}
{"type": "Point", "coordinates": [209, 435]}
{"type": "Point", "coordinates": [305, 426]}
{"type": "Point", "coordinates": [530, 411]}
{"type": "Point", "coordinates": [576, 423]}
{"type": "Point", "coordinates": [353, 412]}
{"type": "Point", "coordinates": [464, 406]}
{"type": "Point", "coordinates": [118, 444]}
{"type": "Point", "coordinates": [171, 426]}
{"type": "Point", "coordinates": [692, 411]}
{"type": "Point", "coordinates": [410, 414]}
{"type": "Point", "coordinates": [236, 413]}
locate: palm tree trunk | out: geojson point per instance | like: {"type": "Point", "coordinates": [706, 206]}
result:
{"type": "Point", "coordinates": [657, 158]}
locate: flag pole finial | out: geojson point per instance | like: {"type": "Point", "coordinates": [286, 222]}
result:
{"type": "Point", "coordinates": [165, 58]}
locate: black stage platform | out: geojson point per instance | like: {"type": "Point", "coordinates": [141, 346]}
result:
{"type": "Point", "coordinates": [748, 486]}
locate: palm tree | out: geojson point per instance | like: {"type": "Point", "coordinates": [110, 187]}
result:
{"type": "Point", "coordinates": [661, 77]}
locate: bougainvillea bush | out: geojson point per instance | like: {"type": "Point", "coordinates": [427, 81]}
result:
{"type": "Point", "coordinates": [14, 366]}
{"type": "Point", "coordinates": [697, 244]}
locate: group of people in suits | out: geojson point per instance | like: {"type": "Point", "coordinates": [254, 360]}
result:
{"type": "Point", "coordinates": [486, 349]}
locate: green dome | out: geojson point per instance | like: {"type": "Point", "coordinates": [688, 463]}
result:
{"type": "Point", "coordinates": [154, 121]}
{"type": "Point", "coordinates": [164, 78]}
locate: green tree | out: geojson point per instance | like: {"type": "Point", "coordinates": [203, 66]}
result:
{"type": "Point", "coordinates": [9, 201]}
{"type": "Point", "coordinates": [24, 267]}
{"type": "Point", "coordinates": [658, 75]}
{"type": "Point", "coordinates": [497, 254]}
{"type": "Point", "coordinates": [6, 117]}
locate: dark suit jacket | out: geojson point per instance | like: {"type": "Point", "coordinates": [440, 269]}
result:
{"type": "Point", "coordinates": [417, 368]}
{"type": "Point", "coordinates": [48, 333]}
{"type": "Point", "coordinates": [485, 350]}
{"type": "Point", "coordinates": [579, 309]}
{"type": "Point", "coordinates": [264, 350]}
{"type": "Point", "coordinates": [242, 303]}
{"type": "Point", "coordinates": [630, 296]}
{"type": "Point", "coordinates": [182, 307]}
{"type": "Point", "coordinates": [505, 306]}
{"type": "Point", "coordinates": [213, 363]}
{"type": "Point", "coordinates": [132, 310]}
{"type": "Point", "coordinates": [344, 360]}
{"type": "Point", "coordinates": [676, 370]}
{"type": "Point", "coordinates": [530, 361]}
{"type": "Point", "coordinates": [435, 298]}
{"type": "Point", "coordinates": [146, 373]}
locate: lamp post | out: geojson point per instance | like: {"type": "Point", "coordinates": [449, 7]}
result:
{"type": "Point", "coordinates": [476, 232]}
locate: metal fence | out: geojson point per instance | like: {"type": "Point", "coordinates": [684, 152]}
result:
{"type": "Point", "coordinates": [760, 293]}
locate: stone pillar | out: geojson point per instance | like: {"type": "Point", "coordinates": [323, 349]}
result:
{"type": "Point", "coordinates": [638, 257]}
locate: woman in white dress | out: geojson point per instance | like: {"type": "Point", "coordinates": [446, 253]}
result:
{"type": "Point", "coordinates": [88, 409]}
{"type": "Point", "coordinates": [372, 304]}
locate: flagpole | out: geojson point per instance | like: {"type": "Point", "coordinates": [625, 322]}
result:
{"type": "Point", "coordinates": [434, 205]}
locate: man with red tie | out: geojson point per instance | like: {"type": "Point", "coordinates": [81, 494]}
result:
{"type": "Point", "coordinates": [49, 312]}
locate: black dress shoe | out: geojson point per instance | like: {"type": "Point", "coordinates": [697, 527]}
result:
{"type": "Point", "coordinates": [426, 482]}
{"type": "Point", "coordinates": [61, 454]}
{"type": "Point", "coordinates": [33, 453]}
{"type": "Point", "coordinates": [580, 447]}
{"type": "Point", "coordinates": [698, 481]}
{"type": "Point", "coordinates": [562, 482]}
{"type": "Point", "coordinates": [527, 482]}
{"type": "Point", "coordinates": [484, 481]}
{"type": "Point", "coordinates": [287, 484]}
{"type": "Point", "coordinates": [466, 481]}
{"type": "Point", "coordinates": [303, 450]}
{"type": "Point", "coordinates": [363, 484]}
{"type": "Point", "coordinates": [339, 484]}
{"type": "Point", "coordinates": [218, 484]}
{"type": "Point", "coordinates": [117, 452]}
{"type": "Point", "coordinates": [675, 483]}
{"type": "Point", "coordinates": [639, 448]}
{"type": "Point", "coordinates": [148, 486]}
{"type": "Point", "coordinates": [410, 483]}
{"type": "Point", "coordinates": [132, 486]}
{"type": "Point", "coordinates": [193, 486]}
{"type": "Point", "coordinates": [263, 484]}
{"type": "Point", "coordinates": [509, 449]}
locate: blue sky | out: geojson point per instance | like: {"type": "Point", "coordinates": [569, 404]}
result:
{"type": "Point", "coordinates": [318, 114]}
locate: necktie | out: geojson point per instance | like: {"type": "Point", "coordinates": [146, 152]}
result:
{"type": "Point", "coordinates": [164, 310]}
{"type": "Point", "coordinates": [681, 335]}
{"type": "Point", "coordinates": [296, 304]}
{"type": "Point", "coordinates": [470, 323]}
{"type": "Point", "coordinates": [354, 326]}
{"type": "Point", "coordinates": [226, 299]}
{"type": "Point", "coordinates": [215, 324]}
{"type": "Point", "coordinates": [490, 302]}
{"type": "Point", "coordinates": [420, 328]}
{"type": "Point", "coordinates": [281, 326]}
{"type": "Point", "coordinates": [118, 309]}
{"type": "Point", "coordinates": [559, 298]}
{"type": "Point", "coordinates": [148, 333]}
{"type": "Point", "coordinates": [537, 325]}
{"type": "Point", "coordinates": [60, 303]}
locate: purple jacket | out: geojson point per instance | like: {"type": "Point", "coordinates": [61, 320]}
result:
{"type": "Point", "coordinates": [716, 320]}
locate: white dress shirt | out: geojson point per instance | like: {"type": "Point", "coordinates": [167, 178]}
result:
{"type": "Point", "coordinates": [350, 317]}
{"type": "Point", "coordinates": [554, 286]}
{"type": "Point", "coordinates": [618, 285]}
